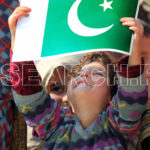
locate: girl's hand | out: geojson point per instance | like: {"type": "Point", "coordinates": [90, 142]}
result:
{"type": "Point", "coordinates": [12, 21]}
{"type": "Point", "coordinates": [134, 26]}
{"type": "Point", "coordinates": [137, 28]}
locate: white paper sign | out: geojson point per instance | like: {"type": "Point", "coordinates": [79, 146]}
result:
{"type": "Point", "coordinates": [30, 30]}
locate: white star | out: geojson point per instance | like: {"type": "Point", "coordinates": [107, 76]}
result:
{"type": "Point", "coordinates": [106, 5]}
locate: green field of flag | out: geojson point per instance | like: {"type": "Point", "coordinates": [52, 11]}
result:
{"type": "Point", "coordinates": [78, 25]}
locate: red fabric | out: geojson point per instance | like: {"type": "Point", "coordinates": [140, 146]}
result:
{"type": "Point", "coordinates": [24, 77]}
{"type": "Point", "coordinates": [129, 71]}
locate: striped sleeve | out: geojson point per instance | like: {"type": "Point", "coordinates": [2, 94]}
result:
{"type": "Point", "coordinates": [40, 111]}
{"type": "Point", "coordinates": [129, 103]}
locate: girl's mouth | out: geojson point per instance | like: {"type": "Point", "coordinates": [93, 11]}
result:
{"type": "Point", "coordinates": [84, 82]}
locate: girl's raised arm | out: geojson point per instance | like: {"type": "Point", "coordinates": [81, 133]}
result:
{"type": "Point", "coordinates": [12, 21]}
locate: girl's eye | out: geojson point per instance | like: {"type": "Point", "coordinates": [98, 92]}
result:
{"type": "Point", "coordinates": [58, 89]}
{"type": "Point", "coordinates": [97, 74]}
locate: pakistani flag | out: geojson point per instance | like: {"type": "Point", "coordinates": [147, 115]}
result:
{"type": "Point", "coordinates": [75, 26]}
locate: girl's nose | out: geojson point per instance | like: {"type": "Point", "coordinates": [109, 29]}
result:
{"type": "Point", "coordinates": [65, 101]}
{"type": "Point", "coordinates": [84, 74]}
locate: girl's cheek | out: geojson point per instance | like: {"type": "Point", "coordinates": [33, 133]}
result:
{"type": "Point", "coordinates": [101, 82]}
{"type": "Point", "coordinates": [73, 83]}
{"type": "Point", "coordinates": [56, 97]}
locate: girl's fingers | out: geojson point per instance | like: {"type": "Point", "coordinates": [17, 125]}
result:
{"type": "Point", "coordinates": [17, 16]}
{"type": "Point", "coordinates": [23, 8]}
{"type": "Point", "coordinates": [127, 19]}
{"type": "Point", "coordinates": [134, 25]}
{"type": "Point", "coordinates": [133, 29]}
{"type": "Point", "coordinates": [129, 23]}
{"type": "Point", "coordinates": [20, 14]}
{"type": "Point", "coordinates": [137, 30]}
{"type": "Point", "coordinates": [19, 11]}
{"type": "Point", "coordinates": [13, 19]}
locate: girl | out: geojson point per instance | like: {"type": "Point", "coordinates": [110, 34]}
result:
{"type": "Point", "coordinates": [54, 79]}
{"type": "Point", "coordinates": [94, 122]}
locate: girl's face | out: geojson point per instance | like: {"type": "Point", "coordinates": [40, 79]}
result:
{"type": "Point", "coordinates": [90, 85]}
{"type": "Point", "coordinates": [57, 87]}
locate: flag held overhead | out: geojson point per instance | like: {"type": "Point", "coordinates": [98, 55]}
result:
{"type": "Point", "coordinates": [75, 26]}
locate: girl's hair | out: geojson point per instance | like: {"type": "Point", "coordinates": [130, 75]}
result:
{"type": "Point", "coordinates": [106, 60]}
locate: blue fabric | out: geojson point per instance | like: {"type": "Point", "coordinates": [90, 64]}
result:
{"type": "Point", "coordinates": [6, 103]}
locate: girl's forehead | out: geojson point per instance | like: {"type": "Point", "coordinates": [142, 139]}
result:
{"type": "Point", "coordinates": [92, 65]}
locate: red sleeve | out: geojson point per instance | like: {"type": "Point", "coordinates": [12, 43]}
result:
{"type": "Point", "coordinates": [129, 71]}
{"type": "Point", "coordinates": [24, 77]}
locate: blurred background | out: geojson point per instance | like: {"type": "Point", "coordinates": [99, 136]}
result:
{"type": "Point", "coordinates": [144, 12]}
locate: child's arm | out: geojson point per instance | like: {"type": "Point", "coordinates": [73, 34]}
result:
{"type": "Point", "coordinates": [137, 28]}
{"type": "Point", "coordinates": [12, 21]}
{"type": "Point", "coordinates": [40, 111]}
{"type": "Point", "coordinates": [129, 103]}
{"type": "Point", "coordinates": [31, 99]}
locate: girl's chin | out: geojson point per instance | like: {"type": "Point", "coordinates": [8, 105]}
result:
{"type": "Point", "coordinates": [81, 91]}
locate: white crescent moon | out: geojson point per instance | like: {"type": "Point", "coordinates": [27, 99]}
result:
{"type": "Point", "coordinates": [77, 27]}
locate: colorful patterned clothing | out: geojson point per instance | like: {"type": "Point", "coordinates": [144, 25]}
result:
{"type": "Point", "coordinates": [61, 129]}
{"type": "Point", "coordinates": [145, 127]}
{"type": "Point", "coordinates": [6, 98]}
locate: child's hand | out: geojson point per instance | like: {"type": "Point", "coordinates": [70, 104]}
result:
{"type": "Point", "coordinates": [134, 26]}
{"type": "Point", "coordinates": [12, 20]}
{"type": "Point", "coordinates": [137, 28]}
